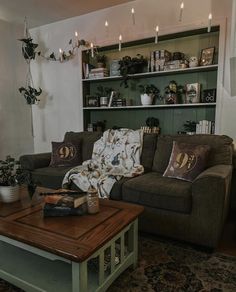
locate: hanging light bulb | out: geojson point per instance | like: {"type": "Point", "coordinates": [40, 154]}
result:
{"type": "Point", "coordinates": [120, 40]}
{"type": "Point", "coordinates": [181, 11]}
{"type": "Point", "coordinates": [209, 22]}
{"type": "Point", "coordinates": [133, 16]}
{"type": "Point", "coordinates": [157, 34]}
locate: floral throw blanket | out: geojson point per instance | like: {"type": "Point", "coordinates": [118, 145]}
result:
{"type": "Point", "coordinates": [115, 155]}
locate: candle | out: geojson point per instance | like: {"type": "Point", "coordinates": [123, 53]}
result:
{"type": "Point", "coordinates": [181, 11]}
{"type": "Point", "coordinates": [157, 32]}
{"type": "Point", "coordinates": [133, 16]}
{"type": "Point", "coordinates": [60, 55]}
{"type": "Point", "coordinates": [76, 39]}
{"type": "Point", "coordinates": [106, 23]}
{"type": "Point", "coordinates": [120, 40]}
{"type": "Point", "coordinates": [209, 22]}
{"type": "Point", "coordinates": [92, 50]}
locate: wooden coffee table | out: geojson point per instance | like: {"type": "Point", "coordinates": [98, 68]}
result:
{"type": "Point", "coordinates": [66, 253]}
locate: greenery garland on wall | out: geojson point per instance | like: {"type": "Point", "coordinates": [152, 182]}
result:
{"type": "Point", "coordinates": [29, 53]}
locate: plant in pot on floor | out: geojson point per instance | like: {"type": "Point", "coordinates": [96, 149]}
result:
{"type": "Point", "coordinates": [11, 176]}
{"type": "Point", "coordinates": [148, 93]}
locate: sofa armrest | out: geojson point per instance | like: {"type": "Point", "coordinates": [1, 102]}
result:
{"type": "Point", "coordinates": [33, 161]}
{"type": "Point", "coordinates": [210, 201]}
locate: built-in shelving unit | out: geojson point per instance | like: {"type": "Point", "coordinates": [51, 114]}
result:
{"type": "Point", "coordinates": [171, 116]}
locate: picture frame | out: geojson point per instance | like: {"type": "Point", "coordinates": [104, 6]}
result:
{"type": "Point", "coordinates": [92, 101]}
{"type": "Point", "coordinates": [207, 56]}
{"type": "Point", "coordinates": [192, 93]}
{"type": "Point", "coordinates": [209, 95]}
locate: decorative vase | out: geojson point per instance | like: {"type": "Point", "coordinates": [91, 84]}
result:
{"type": "Point", "coordinates": [9, 194]}
{"type": "Point", "coordinates": [146, 99]}
{"type": "Point", "coordinates": [171, 98]}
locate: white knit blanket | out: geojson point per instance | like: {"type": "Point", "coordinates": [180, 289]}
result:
{"type": "Point", "coordinates": [116, 154]}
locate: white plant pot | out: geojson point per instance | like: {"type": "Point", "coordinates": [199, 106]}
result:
{"type": "Point", "coordinates": [146, 99]}
{"type": "Point", "coordinates": [9, 194]}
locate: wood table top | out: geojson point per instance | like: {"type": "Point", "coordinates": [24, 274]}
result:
{"type": "Point", "coordinates": [72, 237]}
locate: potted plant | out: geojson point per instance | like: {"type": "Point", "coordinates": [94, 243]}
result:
{"type": "Point", "coordinates": [148, 93]}
{"type": "Point", "coordinates": [101, 60]}
{"type": "Point", "coordinates": [190, 127]}
{"type": "Point", "coordinates": [11, 176]}
{"type": "Point", "coordinates": [31, 94]}
{"type": "Point", "coordinates": [173, 92]}
{"type": "Point", "coordinates": [104, 94]}
{"type": "Point", "coordinates": [130, 65]}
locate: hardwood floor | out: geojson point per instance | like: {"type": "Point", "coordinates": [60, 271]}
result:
{"type": "Point", "coordinates": [227, 243]}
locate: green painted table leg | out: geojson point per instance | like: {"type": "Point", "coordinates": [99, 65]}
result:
{"type": "Point", "coordinates": [79, 277]}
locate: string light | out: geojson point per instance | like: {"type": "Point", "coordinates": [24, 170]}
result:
{"type": "Point", "coordinates": [120, 40]}
{"type": "Point", "coordinates": [157, 33]}
{"type": "Point", "coordinates": [181, 11]}
{"type": "Point", "coordinates": [133, 16]}
{"type": "Point", "coordinates": [209, 22]}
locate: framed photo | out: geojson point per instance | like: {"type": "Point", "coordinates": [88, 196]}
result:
{"type": "Point", "coordinates": [209, 95]}
{"type": "Point", "coordinates": [192, 94]}
{"type": "Point", "coordinates": [92, 101]}
{"type": "Point", "coordinates": [207, 56]}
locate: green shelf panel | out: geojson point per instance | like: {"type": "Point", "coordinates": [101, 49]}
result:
{"type": "Point", "coordinates": [171, 119]}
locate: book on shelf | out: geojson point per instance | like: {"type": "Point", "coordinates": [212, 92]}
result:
{"type": "Point", "coordinates": [52, 210]}
{"type": "Point", "coordinates": [65, 198]}
{"type": "Point", "coordinates": [205, 127]}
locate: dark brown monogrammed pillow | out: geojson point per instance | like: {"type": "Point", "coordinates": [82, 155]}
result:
{"type": "Point", "coordinates": [66, 154]}
{"type": "Point", "coordinates": [187, 161]}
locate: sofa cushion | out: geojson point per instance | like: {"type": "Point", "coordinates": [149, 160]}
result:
{"type": "Point", "coordinates": [50, 177]}
{"type": "Point", "coordinates": [154, 190]}
{"type": "Point", "coordinates": [88, 139]}
{"type": "Point", "coordinates": [220, 153]}
{"type": "Point", "coordinates": [66, 154]}
{"type": "Point", "coordinates": [187, 161]}
{"type": "Point", "coordinates": [148, 151]}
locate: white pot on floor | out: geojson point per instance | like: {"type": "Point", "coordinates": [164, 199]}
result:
{"type": "Point", "coordinates": [9, 194]}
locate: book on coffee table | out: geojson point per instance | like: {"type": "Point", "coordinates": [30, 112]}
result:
{"type": "Point", "coordinates": [52, 210]}
{"type": "Point", "coordinates": [63, 198]}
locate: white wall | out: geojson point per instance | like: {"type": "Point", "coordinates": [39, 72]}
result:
{"type": "Point", "coordinates": [15, 116]}
{"type": "Point", "coordinates": [61, 109]}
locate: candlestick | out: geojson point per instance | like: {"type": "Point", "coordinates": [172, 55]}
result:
{"type": "Point", "coordinates": [92, 50]}
{"type": "Point", "coordinates": [209, 22]}
{"type": "Point", "coordinates": [181, 11]}
{"type": "Point", "coordinates": [157, 32]}
{"type": "Point", "coordinates": [120, 40]}
{"type": "Point", "coordinates": [133, 16]}
{"type": "Point", "coordinates": [106, 26]}
{"type": "Point", "coordinates": [76, 39]}
{"type": "Point", "coordinates": [60, 55]}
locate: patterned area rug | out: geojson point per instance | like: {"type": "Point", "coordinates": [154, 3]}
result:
{"type": "Point", "coordinates": [166, 266]}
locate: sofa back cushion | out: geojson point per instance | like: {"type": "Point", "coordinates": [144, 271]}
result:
{"type": "Point", "coordinates": [88, 140]}
{"type": "Point", "coordinates": [220, 149]}
{"type": "Point", "coordinates": [148, 151]}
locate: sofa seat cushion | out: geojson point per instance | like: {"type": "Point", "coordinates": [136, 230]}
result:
{"type": "Point", "coordinates": [154, 190]}
{"type": "Point", "coordinates": [50, 177]}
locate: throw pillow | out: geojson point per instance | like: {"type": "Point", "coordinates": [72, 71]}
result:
{"type": "Point", "coordinates": [66, 154]}
{"type": "Point", "coordinates": [187, 161]}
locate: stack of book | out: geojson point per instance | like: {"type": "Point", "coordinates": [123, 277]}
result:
{"type": "Point", "coordinates": [205, 127]}
{"type": "Point", "coordinates": [98, 73]}
{"type": "Point", "coordinates": [158, 60]}
{"type": "Point", "coordinates": [64, 203]}
{"type": "Point", "coordinates": [119, 101]}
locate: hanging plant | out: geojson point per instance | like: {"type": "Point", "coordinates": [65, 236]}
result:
{"type": "Point", "coordinates": [28, 48]}
{"type": "Point", "coordinates": [30, 94]}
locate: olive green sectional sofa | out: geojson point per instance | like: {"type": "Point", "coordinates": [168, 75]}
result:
{"type": "Point", "coordinates": [190, 211]}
